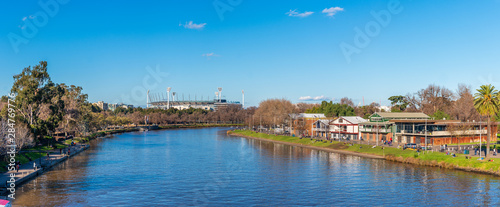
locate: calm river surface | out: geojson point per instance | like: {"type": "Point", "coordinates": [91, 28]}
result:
{"type": "Point", "coordinates": [205, 167]}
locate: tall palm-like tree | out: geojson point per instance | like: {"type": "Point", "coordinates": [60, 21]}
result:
{"type": "Point", "coordinates": [486, 102]}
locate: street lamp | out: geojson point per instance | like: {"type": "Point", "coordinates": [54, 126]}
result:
{"type": "Point", "coordinates": [220, 94]}
{"type": "Point", "coordinates": [425, 135]}
{"type": "Point", "coordinates": [480, 136]}
{"type": "Point", "coordinates": [168, 97]}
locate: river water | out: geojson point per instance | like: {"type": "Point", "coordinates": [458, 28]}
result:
{"type": "Point", "coordinates": [205, 167]}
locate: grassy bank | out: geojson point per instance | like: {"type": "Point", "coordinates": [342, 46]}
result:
{"type": "Point", "coordinates": [437, 159]}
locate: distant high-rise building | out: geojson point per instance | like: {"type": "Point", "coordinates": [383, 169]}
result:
{"type": "Point", "coordinates": [102, 105]}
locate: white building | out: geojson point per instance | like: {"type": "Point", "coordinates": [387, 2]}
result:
{"type": "Point", "coordinates": [346, 127]}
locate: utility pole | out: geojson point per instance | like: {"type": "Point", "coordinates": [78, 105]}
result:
{"type": "Point", "coordinates": [480, 136]}
{"type": "Point", "coordinates": [168, 97]}
{"type": "Point", "coordinates": [425, 135]}
{"type": "Point", "coordinates": [260, 123]}
{"type": "Point", "coordinates": [274, 130]}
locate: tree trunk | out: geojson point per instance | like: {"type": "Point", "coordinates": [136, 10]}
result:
{"type": "Point", "coordinates": [488, 138]}
{"type": "Point", "coordinates": [31, 115]}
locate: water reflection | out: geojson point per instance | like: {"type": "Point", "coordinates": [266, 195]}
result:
{"type": "Point", "coordinates": [207, 167]}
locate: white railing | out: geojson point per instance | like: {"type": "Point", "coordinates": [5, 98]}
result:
{"type": "Point", "coordinates": [361, 129]}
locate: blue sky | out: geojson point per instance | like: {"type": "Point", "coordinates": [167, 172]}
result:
{"type": "Point", "coordinates": [279, 49]}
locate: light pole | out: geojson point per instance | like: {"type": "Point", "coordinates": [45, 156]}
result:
{"type": "Point", "coordinates": [168, 97]}
{"type": "Point", "coordinates": [480, 136]}
{"type": "Point", "coordinates": [220, 94]}
{"type": "Point", "coordinates": [260, 123]}
{"type": "Point", "coordinates": [147, 100]}
{"type": "Point", "coordinates": [425, 135]}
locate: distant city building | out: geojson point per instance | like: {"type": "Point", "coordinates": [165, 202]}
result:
{"type": "Point", "coordinates": [105, 106]}
{"type": "Point", "coordinates": [102, 105]}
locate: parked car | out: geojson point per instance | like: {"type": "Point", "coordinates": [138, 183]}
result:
{"type": "Point", "coordinates": [411, 146]}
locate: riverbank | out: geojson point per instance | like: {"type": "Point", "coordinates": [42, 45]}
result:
{"type": "Point", "coordinates": [27, 171]}
{"type": "Point", "coordinates": [39, 154]}
{"type": "Point", "coordinates": [436, 159]}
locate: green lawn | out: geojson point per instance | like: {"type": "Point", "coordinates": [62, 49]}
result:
{"type": "Point", "coordinates": [35, 155]}
{"type": "Point", "coordinates": [23, 158]}
{"type": "Point", "coordinates": [41, 148]}
{"type": "Point", "coordinates": [2, 166]}
{"type": "Point", "coordinates": [431, 157]}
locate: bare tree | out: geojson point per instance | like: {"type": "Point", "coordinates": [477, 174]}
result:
{"type": "Point", "coordinates": [3, 137]}
{"type": "Point", "coordinates": [430, 100]}
{"type": "Point", "coordinates": [274, 111]}
{"type": "Point", "coordinates": [303, 107]}
{"type": "Point", "coordinates": [24, 138]}
{"type": "Point", "coordinates": [464, 105]}
{"type": "Point", "coordinates": [347, 101]}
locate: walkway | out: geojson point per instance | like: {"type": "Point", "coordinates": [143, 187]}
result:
{"type": "Point", "coordinates": [26, 171]}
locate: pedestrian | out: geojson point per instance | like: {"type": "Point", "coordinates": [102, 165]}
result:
{"type": "Point", "coordinates": [17, 167]}
{"type": "Point", "coordinates": [34, 166]}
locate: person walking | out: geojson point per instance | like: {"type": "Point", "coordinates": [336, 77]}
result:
{"type": "Point", "coordinates": [34, 166]}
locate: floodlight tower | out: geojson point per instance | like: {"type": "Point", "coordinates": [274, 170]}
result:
{"type": "Point", "coordinates": [173, 96]}
{"type": "Point", "coordinates": [243, 98]}
{"type": "Point", "coordinates": [220, 94]}
{"type": "Point", "coordinates": [147, 100]}
{"type": "Point", "coordinates": [168, 97]}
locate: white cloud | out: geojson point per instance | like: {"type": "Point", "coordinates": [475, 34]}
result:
{"type": "Point", "coordinates": [294, 13]}
{"type": "Point", "coordinates": [30, 16]}
{"type": "Point", "coordinates": [191, 25]}
{"type": "Point", "coordinates": [208, 55]}
{"type": "Point", "coordinates": [332, 11]}
{"type": "Point", "coordinates": [316, 98]}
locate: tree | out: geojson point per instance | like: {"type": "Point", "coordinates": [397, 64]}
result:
{"type": "Point", "coordinates": [31, 87]}
{"type": "Point", "coordinates": [366, 111]}
{"type": "Point", "coordinates": [440, 115]}
{"type": "Point", "coordinates": [331, 109]}
{"type": "Point", "coordinates": [274, 111]}
{"type": "Point", "coordinates": [346, 101]}
{"type": "Point", "coordinates": [430, 100]}
{"type": "Point", "coordinates": [399, 103]}
{"type": "Point", "coordinates": [463, 107]}
{"type": "Point", "coordinates": [487, 104]}
{"type": "Point", "coordinates": [74, 100]}
{"type": "Point", "coordinates": [303, 107]}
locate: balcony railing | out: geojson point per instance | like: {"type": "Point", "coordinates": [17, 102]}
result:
{"type": "Point", "coordinates": [361, 129]}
